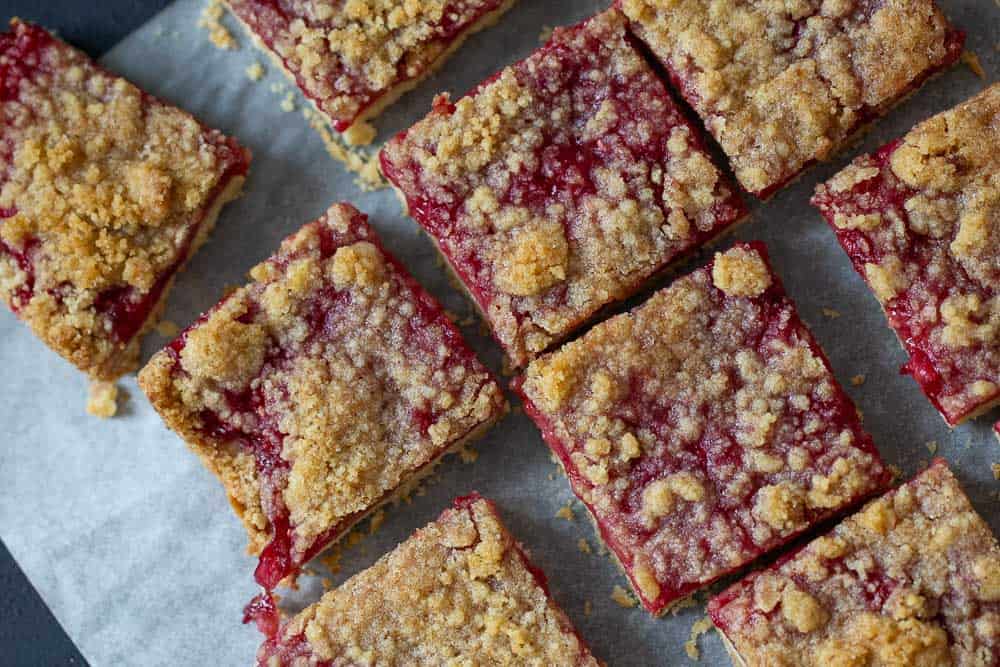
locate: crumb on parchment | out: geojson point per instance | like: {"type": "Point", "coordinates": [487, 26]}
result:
{"type": "Point", "coordinates": [584, 546]}
{"type": "Point", "coordinates": [623, 597]}
{"type": "Point", "coordinates": [167, 329]}
{"type": "Point", "coordinates": [996, 471]}
{"type": "Point", "coordinates": [565, 512]}
{"type": "Point", "coordinates": [468, 454]}
{"type": "Point", "coordinates": [218, 34]}
{"type": "Point", "coordinates": [831, 313]}
{"type": "Point", "coordinates": [363, 164]}
{"type": "Point", "coordinates": [858, 380]}
{"type": "Point", "coordinates": [102, 399]}
{"type": "Point", "coordinates": [932, 446]}
{"type": "Point", "coordinates": [700, 627]}
{"type": "Point", "coordinates": [255, 72]}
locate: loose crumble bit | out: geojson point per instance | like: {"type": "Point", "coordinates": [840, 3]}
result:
{"type": "Point", "coordinates": [468, 454]}
{"type": "Point", "coordinates": [857, 380]}
{"type": "Point", "coordinates": [912, 579]}
{"type": "Point", "coordinates": [932, 446]}
{"type": "Point", "coordinates": [288, 103]}
{"type": "Point", "coordinates": [831, 313]}
{"type": "Point", "coordinates": [702, 429]}
{"type": "Point", "coordinates": [211, 20]}
{"type": "Point", "coordinates": [920, 221]}
{"type": "Point", "coordinates": [321, 390]}
{"type": "Point", "coordinates": [971, 60]}
{"type": "Point", "coordinates": [584, 546]}
{"type": "Point", "coordinates": [459, 587]}
{"type": "Point", "coordinates": [167, 329]}
{"type": "Point", "coordinates": [699, 628]}
{"type": "Point", "coordinates": [996, 470]}
{"type": "Point", "coordinates": [365, 165]}
{"type": "Point", "coordinates": [623, 597]}
{"type": "Point", "coordinates": [565, 512]}
{"type": "Point", "coordinates": [255, 72]}
{"type": "Point", "coordinates": [102, 400]}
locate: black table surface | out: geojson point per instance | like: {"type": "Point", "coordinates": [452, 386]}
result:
{"type": "Point", "coordinates": [29, 634]}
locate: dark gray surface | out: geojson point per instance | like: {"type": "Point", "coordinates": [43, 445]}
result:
{"type": "Point", "coordinates": [29, 634]}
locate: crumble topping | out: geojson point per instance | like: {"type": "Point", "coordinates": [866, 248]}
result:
{"type": "Point", "coordinates": [930, 247]}
{"type": "Point", "coordinates": [910, 580]}
{"type": "Point", "coordinates": [783, 84]}
{"type": "Point", "coordinates": [561, 184]}
{"type": "Point", "coordinates": [460, 591]}
{"type": "Point", "coordinates": [321, 387]}
{"type": "Point", "coordinates": [102, 192]}
{"type": "Point", "coordinates": [703, 428]}
{"type": "Point", "coordinates": [348, 56]}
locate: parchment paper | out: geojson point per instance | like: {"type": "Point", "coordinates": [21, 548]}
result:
{"type": "Point", "coordinates": [132, 543]}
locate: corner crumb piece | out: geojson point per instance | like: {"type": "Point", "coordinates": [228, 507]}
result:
{"type": "Point", "coordinates": [353, 59]}
{"type": "Point", "coordinates": [365, 165]}
{"type": "Point", "coordinates": [321, 390]}
{"type": "Point", "coordinates": [912, 579]}
{"type": "Point", "coordinates": [623, 597]}
{"type": "Point", "coordinates": [925, 235]}
{"type": "Point", "coordinates": [561, 185]}
{"type": "Point", "coordinates": [459, 587]}
{"type": "Point", "coordinates": [699, 628]}
{"type": "Point", "coordinates": [102, 399]}
{"type": "Point", "coordinates": [218, 34]}
{"type": "Point", "coordinates": [782, 85]}
{"type": "Point", "coordinates": [857, 380]}
{"type": "Point", "coordinates": [105, 192]}
{"type": "Point", "coordinates": [703, 429]}
{"type": "Point", "coordinates": [831, 313]}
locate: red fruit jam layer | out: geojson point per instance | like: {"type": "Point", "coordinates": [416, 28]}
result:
{"type": "Point", "coordinates": [340, 88]}
{"type": "Point", "coordinates": [715, 521]}
{"type": "Point", "coordinates": [25, 56]}
{"type": "Point", "coordinates": [265, 441]}
{"type": "Point", "coordinates": [944, 373]}
{"type": "Point", "coordinates": [913, 565]}
{"type": "Point", "coordinates": [597, 148]}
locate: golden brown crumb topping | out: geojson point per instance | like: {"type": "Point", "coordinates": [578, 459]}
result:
{"type": "Point", "coordinates": [357, 375]}
{"type": "Point", "coordinates": [703, 427]}
{"type": "Point", "coordinates": [345, 54]}
{"type": "Point", "coordinates": [781, 84]}
{"type": "Point", "coordinates": [912, 580]}
{"type": "Point", "coordinates": [102, 191]}
{"type": "Point", "coordinates": [561, 184]}
{"type": "Point", "coordinates": [459, 592]}
{"type": "Point", "coordinates": [922, 219]}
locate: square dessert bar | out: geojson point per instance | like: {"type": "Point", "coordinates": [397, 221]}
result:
{"type": "Point", "coordinates": [781, 85]}
{"type": "Point", "coordinates": [703, 428]}
{"type": "Point", "coordinates": [353, 58]}
{"type": "Point", "coordinates": [460, 591]}
{"type": "Point", "coordinates": [321, 390]}
{"type": "Point", "coordinates": [912, 580]}
{"type": "Point", "coordinates": [920, 220]}
{"type": "Point", "coordinates": [104, 194]}
{"type": "Point", "coordinates": [561, 185]}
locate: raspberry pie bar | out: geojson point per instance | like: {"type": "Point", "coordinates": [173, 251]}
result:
{"type": "Point", "coordinates": [702, 429]}
{"type": "Point", "coordinates": [104, 194]}
{"type": "Point", "coordinates": [783, 84]}
{"type": "Point", "coordinates": [920, 220]}
{"type": "Point", "coordinates": [353, 58]}
{"type": "Point", "coordinates": [460, 591]}
{"type": "Point", "coordinates": [321, 390]}
{"type": "Point", "coordinates": [912, 580]}
{"type": "Point", "coordinates": [561, 185]}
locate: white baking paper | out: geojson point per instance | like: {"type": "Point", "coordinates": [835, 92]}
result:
{"type": "Point", "coordinates": [132, 543]}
